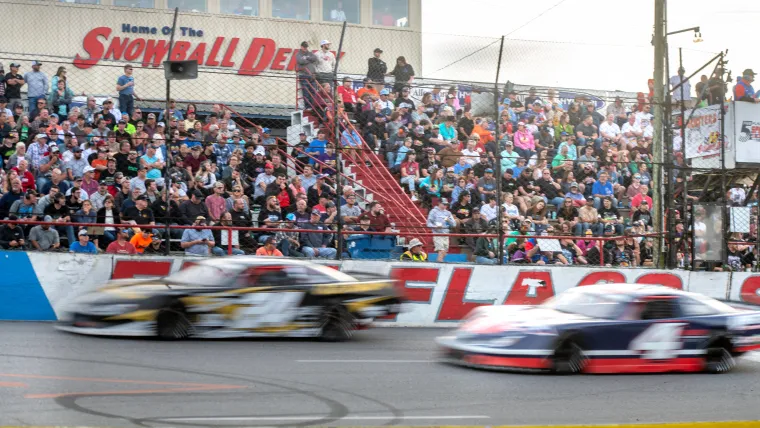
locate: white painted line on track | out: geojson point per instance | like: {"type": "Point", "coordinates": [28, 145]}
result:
{"type": "Point", "coordinates": [366, 361]}
{"type": "Point", "coordinates": [318, 417]}
{"type": "Point", "coordinates": [752, 356]}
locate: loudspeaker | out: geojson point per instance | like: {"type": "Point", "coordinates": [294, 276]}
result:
{"type": "Point", "coordinates": [181, 70]}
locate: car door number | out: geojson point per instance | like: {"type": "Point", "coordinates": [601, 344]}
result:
{"type": "Point", "coordinates": [266, 309]}
{"type": "Point", "coordinates": [660, 341]}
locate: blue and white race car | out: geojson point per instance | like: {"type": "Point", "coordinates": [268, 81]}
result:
{"type": "Point", "coordinates": [607, 328]}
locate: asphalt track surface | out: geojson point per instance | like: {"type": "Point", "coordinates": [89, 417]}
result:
{"type": "Point", "coordinates": [386, 376]}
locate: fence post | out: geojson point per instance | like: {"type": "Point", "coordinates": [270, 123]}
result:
{"type": "Point", "coordinates": [499, 173]}
{"type": "Point", "coordinates": [229, 241]}
{"type": "Point", "coordinates": [167, 177]}
{"type": "Point", "coordinates": [338, 145]}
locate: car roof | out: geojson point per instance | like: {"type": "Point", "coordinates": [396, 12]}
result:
{"type": "Point", "coordinates": [255, 261]}
{"type": "Point", "coordinates": [632, 290]}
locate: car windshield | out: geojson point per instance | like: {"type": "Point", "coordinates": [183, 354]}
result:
{"type": "Point", "coordinates": [586, 304]}
{"type": "Point", "coordinates": [206, 275]}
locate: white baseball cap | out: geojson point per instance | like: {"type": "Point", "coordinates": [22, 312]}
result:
{"type": "Point", "coordinates": [324, 42]}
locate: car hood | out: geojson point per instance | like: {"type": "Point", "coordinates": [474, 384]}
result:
{"type": "Point", "coordinates": [496, 319]}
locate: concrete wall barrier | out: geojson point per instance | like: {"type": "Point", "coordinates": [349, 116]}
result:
{"type": "Point", "coordinates": [36, 286]}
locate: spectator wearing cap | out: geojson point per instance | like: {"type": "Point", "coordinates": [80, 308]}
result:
{"type": "Point", "coordinates": [152, 164]}
{"type": "Point", "coordinates": [89, 184]}
{"type": "Point", "coordinates": [603, 188]}
{"type": "Point", "coordinates": [485, 250]}
{"type": "Point", "coordinates": [320, 189]}
{"type": "Point", "coordinates": [121, 245]}
{"type": "Point", "coordinates": [125, 86]}
{"type": "Point", "coordinates": [13, 83]}
{"type": "Point", "coordinates": [350, 211]}
{"type": "Point", "coordinates": [122, 133]}
{"type": "Point", "coordinates": [307, 62]}
{"type": "Point", "coordinates": [317, 146]}
{"type": "Point", "coordinates": [588, 219]}
{"type": "Point", "coordinates": [376, 67]}
{"type": "Point", "coordinates": [139, 214]}
{"type": "Point", "coordinates": [37, 85]}
{"type": "Point", "coordinates": [192, 208]}
{"type": "Point", "coordinates": [414, 252]}
{"type": "Point", "coordinates": [262, 181]}
{"type": "Point", "coordinates": [440, 220]}
{"type": "Point", "coordinates": [83, 244]}
{"type": "Point", "coordinates": [37, 151]}
{"type": "Point", "coordinates": [194, 159]}
{"type": "Point", "coordinates": [325, 66]}
{"type": "Point", "coordinates": [509, 157]}
{"type": "Point", "coordinates": [197, 241]}
{"type": "Point", "coordinates": [743, 91]}
{"type": "Point", "coordinates": [111, 114]}
{"type": "Point", "coordinates": [42, 237]}
{"type": "Point", "coordinates": [12, 236]}
{"type": "Point", "coordinates": [315, 244]}
{"type": "Point", "coordinates": [25, 208]}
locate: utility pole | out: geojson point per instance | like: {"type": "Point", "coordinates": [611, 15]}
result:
{"type": "Point", "coordinates": [657, 142]}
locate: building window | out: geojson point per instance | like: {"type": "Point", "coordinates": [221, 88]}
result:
{"type": "Point", "coordinates": [291, 9]}
{"type": "Point", "coordinates": [240, 7]}
{"type": "Point", "coordinates": [80, 1]}
{"type": "Point", "coordinates": [341, 10]}
{"type": "Point", "coordinates": [146, 4]}
{"type": "Point", "coordinates": [188, 5]}
{"type": "Point", "coordinates": [390, 13]}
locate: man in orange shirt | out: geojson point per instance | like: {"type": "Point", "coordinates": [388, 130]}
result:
{"type": "Point", "coordinates": [269, 248]}
{"type": "Point", "coordinates": [485, 135]}
{"type": "Point", "coordinates": [368, 89]}
{"type": "Point", "coordinates": [101, 162]}
{"type": "Point", "coordinates": [141, 240]}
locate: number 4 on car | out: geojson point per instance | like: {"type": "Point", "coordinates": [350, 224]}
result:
{"type": "Point", "coordinates": [607, 328]}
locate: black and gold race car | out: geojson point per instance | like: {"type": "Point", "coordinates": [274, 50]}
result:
{"type": "Point", "coordinates": [236, 297]}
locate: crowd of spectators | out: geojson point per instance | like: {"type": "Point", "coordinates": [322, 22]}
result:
{"type": "Point", "coordinates": [105, 166]}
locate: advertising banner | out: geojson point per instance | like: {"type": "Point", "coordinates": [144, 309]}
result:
{"type": "Point", "coordinates": [703, 137]}
{"type": "Point", "coordinates": [747, 131]}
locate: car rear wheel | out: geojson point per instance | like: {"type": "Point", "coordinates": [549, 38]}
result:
{"type": "Point", "coordinates": [172, 324]}
{"type": "Point", "coordinates": [568, 357]}
{"type": "Point", "coordinates": [337, 324]}
{"type": "Point", "coordinates": [719, 358]}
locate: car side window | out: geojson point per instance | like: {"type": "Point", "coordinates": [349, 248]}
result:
{"type": "Point", "coordinates": [266, 276]}
{"type": "Point", "coordinates": [659, 309]}
{"type": "Point", "coordinates": [694, 308]}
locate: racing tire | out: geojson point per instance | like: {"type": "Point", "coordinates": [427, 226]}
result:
{"type": "Point", "coordinates": [337, 324]}
{"type": "Point", "coordinates": [172, 324]}
{"type": "Point", "coordinates": [568, 357]}
{"type": "Point", "coordinates": [719, 358]}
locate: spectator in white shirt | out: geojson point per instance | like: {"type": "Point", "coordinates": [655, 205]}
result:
{"type": "Point", "coordinates": [675, 81]}
{"type": "Point", "coordinates": [631, 131]}
{"type": "Point", "coordinates": [490, 209]}
{"type": "Point", "coordinates": [610, 130]}
{"type": "Point", "coordinates": [471, 154]}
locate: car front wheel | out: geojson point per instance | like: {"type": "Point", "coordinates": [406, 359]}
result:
{"type": "Point", "coordinates": [337, 324]}
{"type": "Point", "coordinates": [172, 324]}
{"type": "Point", "coordinates": [568, 357]}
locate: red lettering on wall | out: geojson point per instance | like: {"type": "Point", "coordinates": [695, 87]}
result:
{"type": "Point", "coordinates": [666, 279]}
{"type": "Point", "coordinates": [602, 277]}
{"type": "Point", "coordinates": [179, 51]}
{"type": "Point", "coordinates": [454, 306]}
{"type": "Point", "coordinates": [135, 49]}
{"type": "Point", "coordinates": [260, 48]}
{"type": "Point", "coordinates": [227, 60]}
{"type": "Point", "coordinates": [155, 52]}
{"type": "Point", "coordinates": [198, 54]}
{"type": "Point", "coordinates": [749, 290]}
{"type": "Point", "coordinates": [211, 60]}
{"type": "Point", "coordinates": [416, 293]}
{"type": "Point", "coordinates": [116, 48]}
{"type": "Point", "coordinates": [125, 269]}
{"type": "Point", "coordinates": [293, 60]}
{"type": "Point", "coordinates": [93, 47]}
{"type": "Point", "coordinates": [279, 58]}
{"type": "Point", "coordinates": [530, 288]}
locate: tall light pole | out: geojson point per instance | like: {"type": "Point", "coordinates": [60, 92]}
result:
{"type": "Point", "coordinates": [657, 142]}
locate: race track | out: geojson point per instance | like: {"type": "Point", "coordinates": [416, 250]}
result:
{"type": "Point", "coordinates": [385, 376]}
